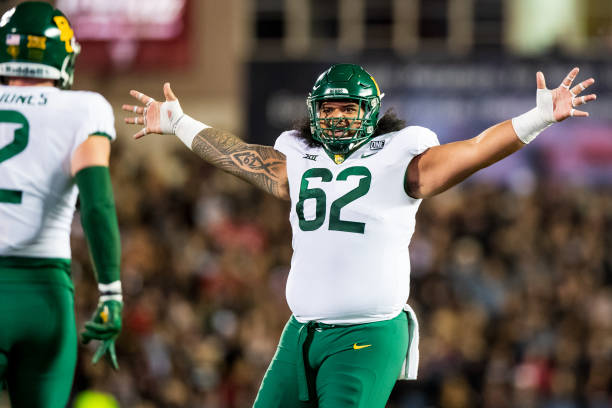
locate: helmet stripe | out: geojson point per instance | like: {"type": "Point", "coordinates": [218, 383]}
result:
{"type": "Point", "coordinates": [375, 83]}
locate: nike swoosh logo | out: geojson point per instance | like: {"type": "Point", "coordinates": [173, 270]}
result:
{"type": "Point", "coordinates": [368, 155]}
{"type": "Point", "coordinates": [356, 347]}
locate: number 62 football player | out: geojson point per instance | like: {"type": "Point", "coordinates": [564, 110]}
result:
{"type": "Point", "coordinates": [355, 182]}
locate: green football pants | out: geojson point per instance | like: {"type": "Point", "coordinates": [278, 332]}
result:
{"type": "Point", "coordinates": [335, 366]}
{"type": "Point", "coordinates": [38, 340]}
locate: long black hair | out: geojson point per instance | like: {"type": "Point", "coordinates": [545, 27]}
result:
{"type": "Point", "coordinates": [389, 122]}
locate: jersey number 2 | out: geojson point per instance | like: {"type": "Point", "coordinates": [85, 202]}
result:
{"type": "Point", "coordinates": [326, 176]}
{"type": "Point", "coordinates": [18, 145]}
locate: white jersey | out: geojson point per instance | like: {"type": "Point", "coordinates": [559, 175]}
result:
{"type": "Point", "coordinates": [40, 128]}
{"type": "Point", "coordinates": [352, 223]}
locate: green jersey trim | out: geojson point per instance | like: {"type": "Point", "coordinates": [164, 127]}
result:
{"type": "Point", "coordinates": [341, 158]}
{"type": "Point", "coordinates": [102, 134]}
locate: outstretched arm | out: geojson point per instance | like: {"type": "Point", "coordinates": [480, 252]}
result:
{"type": "Point", "coordinates": [441, 167]}
{"type": "Point", "coordinates": [262, 166]}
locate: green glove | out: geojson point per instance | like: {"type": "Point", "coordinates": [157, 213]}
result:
{"type": "Point", "coordinates": [104, 325]}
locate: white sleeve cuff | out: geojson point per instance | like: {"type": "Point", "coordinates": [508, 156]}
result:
{"type": "Point", "coordinates": [187, 128]}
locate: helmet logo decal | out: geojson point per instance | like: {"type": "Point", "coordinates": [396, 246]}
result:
{"type": "Point", "coordinates": [13, 50]}
{"type": "Point", "coordinates": [66, 33]}
{"type": "Point", "coordinates": [13, 39]}
{"type": "Point", "coordinates": [35, 41]}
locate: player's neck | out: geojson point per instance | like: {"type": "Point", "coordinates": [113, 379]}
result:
{"type": "Point", "coordinates": [22, 81]}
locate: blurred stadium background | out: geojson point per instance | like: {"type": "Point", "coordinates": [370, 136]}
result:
{"type": "Point", "coordinates": [512, 271]}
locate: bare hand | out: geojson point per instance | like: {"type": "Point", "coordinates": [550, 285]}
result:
{"type": "Point", "coordinates": [565, 98]}
{"type": "Point", "coordinates": [149, 114]}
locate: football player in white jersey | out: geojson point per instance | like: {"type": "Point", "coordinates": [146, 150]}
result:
{"type": "Point", "coordinates": [54, 145]}
{"type": "Point", "coordinates": [355, 183]}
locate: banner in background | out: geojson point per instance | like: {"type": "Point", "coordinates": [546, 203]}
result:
{"type": "Point", "coordinates": [130, 34]}
{"type": "Point", "coordinates": [457, 100]}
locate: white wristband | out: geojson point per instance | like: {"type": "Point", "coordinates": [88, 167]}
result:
{"type": "Point", "coordinates": [114, 287]}
{"type": "Point", "coordinates": [110, 291]}
{"type": "Point", "coordinates": [104, 298]}
{"type": "Point", "coordinates": [187, 128]}
{"type": "Point", "coordinates": [530, 124]}
{"type": "Point", "coordinates": [173, 121]}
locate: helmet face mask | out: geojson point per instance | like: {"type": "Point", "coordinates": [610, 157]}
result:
{"type": "Point", "coordinates": [338, 128]}
{"type": "Point", "coordinates": [37, 41]}
{"type": "Point", "coordinates": [348, 83]}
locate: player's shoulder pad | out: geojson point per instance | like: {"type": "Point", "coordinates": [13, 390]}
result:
{"type": "Point", "coordinates": [87, 101]}
{"type": "Point", "coordinates": [91, 98]}
{"type": "Point", "coordinates": [415, 139]}
{"type": "Point", "coordinates": [95, 111]}
{"type": "Point", "coordinates": [290, 140]}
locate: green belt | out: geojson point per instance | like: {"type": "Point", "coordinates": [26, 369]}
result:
{"type": "Point", "coordinates": [17, 269]}
{"type": "Point", "coordinates": [304, 335]}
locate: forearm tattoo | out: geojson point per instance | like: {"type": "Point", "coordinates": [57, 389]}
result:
{"type": "Point", "coordinates": [261, 166]}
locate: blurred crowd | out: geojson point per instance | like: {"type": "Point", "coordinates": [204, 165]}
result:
{"type": "Point", "coordinates": [513, 292]}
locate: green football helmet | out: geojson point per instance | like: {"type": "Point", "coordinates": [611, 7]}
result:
{"type": "Point", "coordinates": [352, 83]}
{"type": "Point", "coordinates": [37, 42]}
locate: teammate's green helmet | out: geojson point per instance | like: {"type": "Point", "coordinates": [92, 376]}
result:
{"type": "Point", "coordinates": [37, 41]}
{"type": "Point", "coordinates": [352, 83]}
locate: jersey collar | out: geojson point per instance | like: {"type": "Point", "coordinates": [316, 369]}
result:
{"type": "Point", "coordinates": [341, 158]}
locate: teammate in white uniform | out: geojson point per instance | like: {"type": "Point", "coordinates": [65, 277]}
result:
{"type": "Point", "coordinates": [355, 183]}
{"type": "Point", "coordinates": [52, 124]}
{"type": "Point", "coordinates": [54, 145]}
